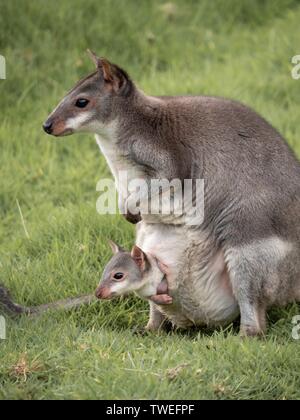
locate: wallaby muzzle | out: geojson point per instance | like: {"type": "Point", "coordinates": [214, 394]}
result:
{"type": "Point", "coordinates": [104, 292]}
{"type": "Point", "coordinates": [56, 128]}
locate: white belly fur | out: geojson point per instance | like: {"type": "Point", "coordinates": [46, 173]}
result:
{"type": "Point", "coordinates": [201, 292]}
{"type": "Point", "coordinates": [118, 165]}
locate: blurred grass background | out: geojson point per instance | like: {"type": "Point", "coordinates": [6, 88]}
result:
{"type": "Point", "coordinates": [235, 48]}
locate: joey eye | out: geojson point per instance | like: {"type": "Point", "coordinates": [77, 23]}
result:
{"type": "Point", "coordinates": [81, 103]}
{"type": "Point", "coordinates": [118, 276]}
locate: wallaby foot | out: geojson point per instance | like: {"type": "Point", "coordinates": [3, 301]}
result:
{"type": "Point", "coordinates": [140, 331]}
{"type": "Point", "coordinates": [250, 331]}
{"type": "Point", "coordinates": [258, 325]}
{"type": "Point", "coordinates": [157, 319]}
{"type": "Point", "coordinates": [155, 325]}
{"type": "Point", "coordinates": [253, 319]}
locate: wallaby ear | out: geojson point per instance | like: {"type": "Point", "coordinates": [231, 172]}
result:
{"type": "Point", "coordinates": [108, 70]}
{"type": "Point", "coordinates": [95, 59]}
{"type": "Point", "coordinates": [103, 65]}
{"type": "Point", "coordinates": [112, 74]}
{"type": "Point", "coordinates": [139, 257]}
{"type": "Point", "coordinates": [115, 247]}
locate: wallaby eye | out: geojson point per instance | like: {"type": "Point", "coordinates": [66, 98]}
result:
{"type": "Point", "coordinates": [118, 276]}
{"type": "Point", "coordinates": [82, 103]}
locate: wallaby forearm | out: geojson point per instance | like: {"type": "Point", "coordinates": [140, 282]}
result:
{"type": "Point", "coordinates": [160, 161]}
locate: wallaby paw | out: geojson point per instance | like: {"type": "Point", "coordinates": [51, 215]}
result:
{"type": "Point", "coordinates": [162, 299]}
{"type": "Point", "coordinates": [168, 300]}
{"type": "Point", "coordinates": [133, 218]}
{"type": "Point", "coordinates": [251, 331]}
{"type": "Point", "coordinates": [148, 329]}
{"type": "Point", "coordinates": [155, 327]}
{"type": "Point", "coordinates": [152, 327]}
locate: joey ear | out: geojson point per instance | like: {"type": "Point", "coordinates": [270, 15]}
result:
{"type": "Point", "coordinates": [115, 247]}
{"type": "Point", "coordinates": [139, 257]}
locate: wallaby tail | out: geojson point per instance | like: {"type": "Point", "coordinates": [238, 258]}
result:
{"type": "Point", "coordinates": [13, 309]}
{"type": "Point", "coordinates": [7, 304]}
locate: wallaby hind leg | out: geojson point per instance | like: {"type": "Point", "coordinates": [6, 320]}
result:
{"type": "Point", "coordinates": [255, 279]}
{"type": "Point", "coordinates": [253, 319]}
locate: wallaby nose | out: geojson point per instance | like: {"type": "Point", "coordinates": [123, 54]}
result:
{"type": "Point", "coordinates": [98, 293]}
{"type": "Point", "coordinates": [103, 292]}
{"type": "Point", "coordinates": [47, 126]}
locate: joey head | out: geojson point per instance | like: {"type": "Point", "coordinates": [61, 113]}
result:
{"type": "Point", "coordinates": [133, 272]}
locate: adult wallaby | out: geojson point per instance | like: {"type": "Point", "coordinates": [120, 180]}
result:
{"type": "Point", "coordinates": [252, 181]}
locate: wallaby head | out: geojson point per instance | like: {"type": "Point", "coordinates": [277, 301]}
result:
{"type": "Point", "coordinates": [127, 272]}
{"type": "Point", "coordinates": [93, 102]}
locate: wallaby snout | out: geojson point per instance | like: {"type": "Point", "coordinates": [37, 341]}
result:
{"type": "Point", "coordinates": [47, 126]}
{"type": "Point", "coordinates": [56, 127]}
{"type": "Point", "coordinates": [104, 292]}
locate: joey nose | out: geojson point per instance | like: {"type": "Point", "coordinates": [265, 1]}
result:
{"type": "Point", "coordinates": [98, 293]}
{"type": "Point", "coordinates": [47, 126]}
{"type": "Point", "coordinates": [103, 292]}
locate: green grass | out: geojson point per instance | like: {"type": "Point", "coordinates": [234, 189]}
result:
{"type": "Point", "coordinates": [233, 48]}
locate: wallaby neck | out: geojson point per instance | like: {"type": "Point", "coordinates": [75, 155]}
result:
{"type": "Point", "coordinates": [131, 116]}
